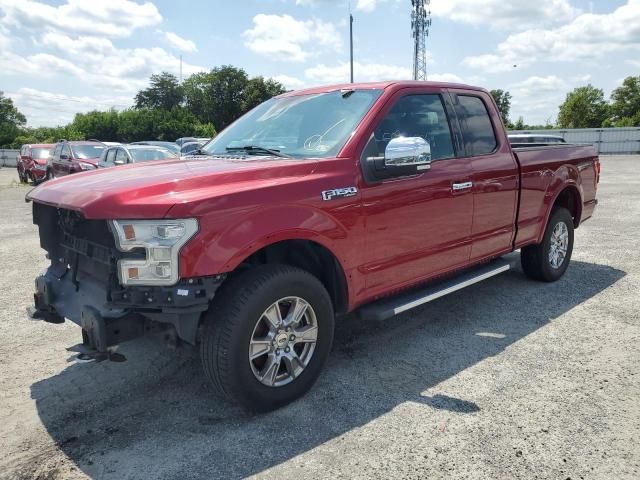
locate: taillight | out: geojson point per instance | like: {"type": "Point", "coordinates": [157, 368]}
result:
{"type": "Point", "coordinates": [597, 165]}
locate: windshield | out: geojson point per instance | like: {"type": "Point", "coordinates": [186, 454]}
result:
{"type": "Point", "coordinates": [314, 125]}
{"type": "Point", "coordinates": [87, 151]}
{"type": "Point", "coordinates": [148, 154]}
{"type": "Point", "coordinates": [42, 153]}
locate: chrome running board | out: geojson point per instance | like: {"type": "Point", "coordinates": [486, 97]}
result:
{"type": "Point", "coordinates": [388, 307]}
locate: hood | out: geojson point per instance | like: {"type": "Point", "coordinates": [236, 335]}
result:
{"type": "Point", "coordinates": [92, 161]}
{"type": "Point", "coordinates": [150, 189]}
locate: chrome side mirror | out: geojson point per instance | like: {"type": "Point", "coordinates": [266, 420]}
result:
{"type": "Point", "coordinates": [408, 152]}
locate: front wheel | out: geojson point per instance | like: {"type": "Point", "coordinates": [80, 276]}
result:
{"type": "Point", "coordinates": [267, 336]}
{"type": "Point", "coordinates": [549, 260]}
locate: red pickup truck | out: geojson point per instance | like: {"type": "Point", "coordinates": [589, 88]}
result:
{"type": "Point", "coordinates": [375, 197]}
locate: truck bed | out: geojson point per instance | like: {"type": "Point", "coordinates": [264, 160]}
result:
{"type": "Point", "coordinates": [540, 167]}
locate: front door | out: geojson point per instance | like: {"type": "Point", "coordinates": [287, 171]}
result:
{"type": "Point", "coordinates": [417, 226]}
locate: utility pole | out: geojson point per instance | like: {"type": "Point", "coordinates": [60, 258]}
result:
{"type": "Point", "coordinates": [420, 24]}
{"type": "Point", "coordinates": [351, 43]}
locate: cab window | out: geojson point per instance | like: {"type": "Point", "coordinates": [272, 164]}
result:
{"type": "Point", "coordinates": [475, 122]}
{"type": "Point", "coordinates": [121, 156]}
{"type": "Point", "coordinates": [416, 116]}
{"type": "Point", "coordinates": [111, 156]}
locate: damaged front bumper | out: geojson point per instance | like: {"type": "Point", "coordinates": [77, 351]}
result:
{"type": "Point", "coordinates": [109, 317]}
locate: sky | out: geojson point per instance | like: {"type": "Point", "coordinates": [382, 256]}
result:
{"type": "Point", "coordinates": [59, 57]}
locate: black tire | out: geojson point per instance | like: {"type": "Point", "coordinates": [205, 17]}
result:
{"type": "Point", "coordinates": [21, 177]}
{"type": "Point", "coordinates": [535, 258]}
{"type": "Point", "coordinates": [49, 175]}
{"type": "Point", "coordinates": [229, 324]}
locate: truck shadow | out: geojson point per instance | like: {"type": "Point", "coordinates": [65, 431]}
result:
{"type": "Point", "coordinates": [154, 415]}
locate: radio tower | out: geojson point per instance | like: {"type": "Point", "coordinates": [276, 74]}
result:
{"type": "Point", "coordinates": [420, 23]}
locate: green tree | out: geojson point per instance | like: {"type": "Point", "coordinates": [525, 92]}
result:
{"type": "Point", "coordinates": [625, 103]}
{"type": "Point", "coordinates": [503, 101]}
{"type": "Point", "coordinates": [520, 125]}
{"type": "Point", "coordinates": [258, 90]}
{"type": "Point", "coordinates": [225, 93]}
{"type": "Point", "coordinates": [163, 92]}
{"type": "Point", "coordinates": [11, 121]}
{"type": "Point", "coordinates": [584, 107]}
{"type": "Point", "coordinates": [98, 125]}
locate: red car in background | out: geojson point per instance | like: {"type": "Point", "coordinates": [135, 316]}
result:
{"type": "Point", "coordinates": [73, 157]}
{"type": "Point", "coordinates": [32, 162]}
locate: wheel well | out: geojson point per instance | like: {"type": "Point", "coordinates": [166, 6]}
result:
{"type": "Point", "coordinates": [309, 256]}
{"type": "Point", "coordinates": [569, 198]}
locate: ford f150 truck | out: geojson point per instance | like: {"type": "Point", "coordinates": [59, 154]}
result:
{"type": "Point", "coordinates": [375, 197]}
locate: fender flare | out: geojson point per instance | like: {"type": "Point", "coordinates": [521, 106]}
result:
{"type": "Point", "coordinates": [565, 178]}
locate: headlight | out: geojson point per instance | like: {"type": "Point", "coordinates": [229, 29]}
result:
{"type": "Point", "coordinates": [161, 239]}
{"type": "Point", "coordinates": [86, 166]}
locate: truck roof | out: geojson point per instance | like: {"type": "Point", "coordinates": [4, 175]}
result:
{"type": "Point", "coordinates": [395, 84]}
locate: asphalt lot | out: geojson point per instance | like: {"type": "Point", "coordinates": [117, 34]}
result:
{"type": "Point", "coordinates": [507, 379]}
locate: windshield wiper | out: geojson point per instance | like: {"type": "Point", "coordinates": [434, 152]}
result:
{"type": "Point", "coordinates": [258, 149]}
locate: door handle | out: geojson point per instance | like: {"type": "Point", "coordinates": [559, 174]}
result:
{"type": "Point", "coordinates": [456, 187]}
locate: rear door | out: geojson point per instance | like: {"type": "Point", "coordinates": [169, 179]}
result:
{"type": "Point", "coordinates": [420, 225]}
{"type": "Point", "coordinates": [494, 178]}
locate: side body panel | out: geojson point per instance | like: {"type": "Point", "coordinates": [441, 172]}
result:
{"type": "Point", "coordinates": [546, 172]}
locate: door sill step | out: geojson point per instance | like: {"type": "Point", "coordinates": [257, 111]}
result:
{"type": "Point", "coordinates": [388, 307]}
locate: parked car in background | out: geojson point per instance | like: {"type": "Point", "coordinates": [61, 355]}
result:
{"type": "Point", "coordinates": [524, 139]}
{"type": "Point", "coordinates": [190, 147]}
{"type": "Point", "coordinates": [32, 162]}
{"type": "Point", "coordinates": [73, 157]}
{"type": "Point", "coordinates": [123, 154]}
{"type": "Point", "coordinates": [174, 147]}
{"type": "Point", "coordinates": [182, 140]}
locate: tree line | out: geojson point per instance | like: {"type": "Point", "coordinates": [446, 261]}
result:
{"type": "Point", "coordinates": [207, 102]}
{"type": "Point", "coordinates": [167, 109]}
{"type": "Point", "coordinates": [585, 107]}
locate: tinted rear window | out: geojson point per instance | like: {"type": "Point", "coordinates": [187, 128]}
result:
{"type": "Point", "coordinates": [477, 129]}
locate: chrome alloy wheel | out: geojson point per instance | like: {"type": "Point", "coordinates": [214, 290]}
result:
{"type": "Point", "coordinates": [558, 245]}
{"type": "Point", "coordinates": [283, 341]}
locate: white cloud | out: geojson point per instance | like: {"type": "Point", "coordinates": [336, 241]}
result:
{"type": "Point", "coordinates": [282, 37]}
{"type": "Point", "coordinates": [586, 38]}
{"type": "Point", "coordinates": [537, 98]}
{"type": "Point", "coordinates": [363, 72]}
{"type": "Point", "coordinates": [514, 15]}
{"type": "Point", "coordinates": [366, 5]}
{"type": "Point", "coordinates": [290, 83]}
{"type": "Point", "coordinates": [79, 45]}
{"type": "Point", "coordinates": [105, 18]}
{"type": "Point", "coordinates": [179, 43]}
{"type": "Point", "coordinates": [50, 109]}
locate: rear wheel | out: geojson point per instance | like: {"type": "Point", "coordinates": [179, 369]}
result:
{"type": "Point", "coordinates": [549, 260]}
{"type": "Point", "coordinates": [267, 336]}
{"type": "Point", "coordinates": [49, 175]}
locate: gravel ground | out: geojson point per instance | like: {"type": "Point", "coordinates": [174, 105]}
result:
{"type": "Point", "coordinates": [507, 379]}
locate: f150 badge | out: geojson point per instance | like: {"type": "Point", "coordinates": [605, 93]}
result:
{"type": "Point", "coordinates": [339, 193]}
